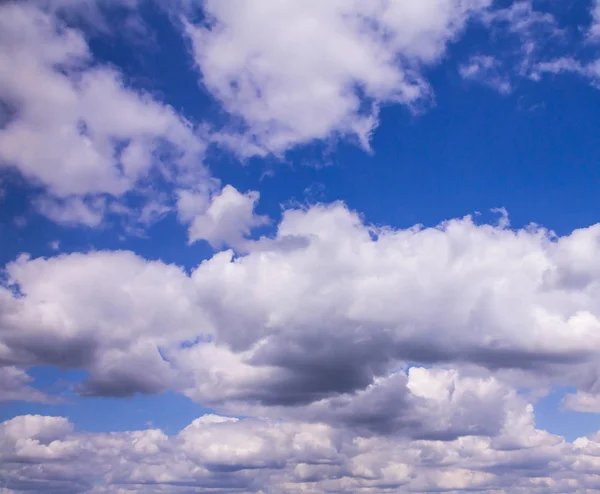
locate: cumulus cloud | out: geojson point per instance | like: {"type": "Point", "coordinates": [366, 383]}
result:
{"type": "Point", "coordinates": [324, 314]}
{"type": "Point", "coordinates": [432, 404]}
{"type": "Point", "coordinates": [294, 72]}
{"type": "Point", "coordinates": [221, 454]}
{"type": "Point", "coordinates": [115, 326]}
{"type": "Point", "coordinates": [15, 384]}
{"type": "Point", "coordinates": [357, 300]}
{"type": "Point", "coordinates": [226, 220]}
{"type": "Point", "coordinates": [365, 358]}
{"type": "Point", "coordinates": [86, 134]}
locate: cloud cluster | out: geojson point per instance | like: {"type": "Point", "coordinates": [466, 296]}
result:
{"type": "Point", "coordinates": [287, 74]}
{"type": "Point", "coordinates": [365, 358]}
{"type": "Point", "coordinates": [324, 308]}
{"type": "Point", "coordinates": [221, 454]}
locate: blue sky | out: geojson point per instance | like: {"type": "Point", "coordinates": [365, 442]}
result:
{"type": "Point", "coordinates": [299, 246]}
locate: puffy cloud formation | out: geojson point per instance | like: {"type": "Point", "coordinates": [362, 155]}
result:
{"type": "Point", "coordinates": [298, 71]}
{"type": "Point", "coordinates": [363, 358]}
{"type": "Point", "coordinates": [112, 320]}
{"type": "Point", "coordinates": [221, 454]}
{"type": "Point", "coordinates": [288, 73]}
{"type": "Point", "coordinates": [224, 220]}
{"type": "Point", "coordinates": [324, 308]}
{"type": "Point", "coordinates": [86, 133]}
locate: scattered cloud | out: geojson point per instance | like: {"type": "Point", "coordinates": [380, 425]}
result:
{"type": "Point", "coordinates": [295, 72]}
{"type": "Point", "coordinates": [87, 134]}
{"type": "Point", "coordinates": [486, 70]}
{"type": "Point", "coordinates": [338, 356]}
{"type": "Point", "coordinates": [520, 35]}
{"type": "Point", "coordinates": [594, 30]}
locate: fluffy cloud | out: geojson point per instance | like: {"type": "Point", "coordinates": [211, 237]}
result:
{"type": "Point", "coordinates": [114, 326]}
{"type": "Point", "coordinates": [371, 298]}
{"type": "Point", "coordinates": [226, 220]}
{"type": "Point", "coordinates": [220, 454]}
{"type": "Point", "coordinates": [324, 308]}
{"type": "Point", "coordinates": [15, 385]}
{"type": "Point", "coordinates": [427, 404]}
{"type": "Point", "coordinates": [294, 72]}
{"type": "Point", "coordinates": [86, 133]}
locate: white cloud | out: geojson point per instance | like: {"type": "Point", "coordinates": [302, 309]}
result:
{"type": "Point", "coordinates": [324, 308]}
{"type": "Point", "coordinates": [294, 72]}
{"type": "Point", "coordinates": [532, 27]}
{"type": "Point", "coordinates": [520, 34]}
{"type": "Point", "coordinates": [67, 136]}
{"type": "Point", "coordinates": [226, 220]}
{"type": "Point", "coordinates": [217, 454]}
{"type": "Point", "coordinates": [582, 402]}
{"type": "Point", "coordinates": [589, 69]}
{"type": "Point", "coordinates": [575, 61]}
{"type": "Point", "coordinates": [73, 211]}
{"type": "Point", "coordinates": [109, 313]}
{"type": "Point", "coordinates": [543, 46]}
{"type": "Point", "coordinates": [85, 133]}
{"type": "Point", "coordinates": [44, 429]}
{"type": "Point", "coordinates": [15, 385]}
{"type": "Point", "coordinates": [486, 70]}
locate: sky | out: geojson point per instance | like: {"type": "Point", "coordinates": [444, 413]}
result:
{"type": "Point", "coordinates": [284, 246]}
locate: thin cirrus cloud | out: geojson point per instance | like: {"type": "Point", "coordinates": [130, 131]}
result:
{"type": "Point", "coordinates": [338, 356]}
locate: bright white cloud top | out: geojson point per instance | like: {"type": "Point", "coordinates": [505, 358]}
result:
{"type": "Point", "coordinates": [338, 356]}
